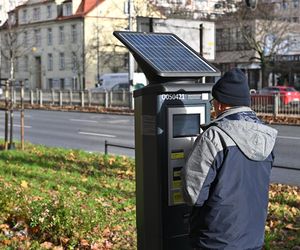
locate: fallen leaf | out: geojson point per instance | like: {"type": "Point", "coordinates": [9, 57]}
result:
{"type": "Point", "coordinates": [291, 227]}
{"type": "Point", "coordinates": [4, 226]}
{"type": "Point", "coordinates": [47, 245]}
{"type": "Point", "coordinates": [58, 248]}
{"type": "Point", "coordinates": [84, 243]}
{"type": "Point", "coordinates": [96, 246]}
{"type": "Point", "coordinates": [106, 232]}
{"type": "Point", "coordinates": [24, 184]}
{"type": "Point", "coordinates": [107, 245]}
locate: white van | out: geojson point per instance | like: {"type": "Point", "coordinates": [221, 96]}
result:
{"type": "Point", "coordinates": [108, 81]}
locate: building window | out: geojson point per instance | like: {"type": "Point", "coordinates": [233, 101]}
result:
{"type": "Point", "coordinates": [11, 19]}
{"type": "Point", "coordinates": [36, 14]}
{"type": "Point", "coordinates": [61, 61]}
{"type": "Point", "coordinates": [50, 83]}
{"type": "Point", "coordinates": [49, 36]}
{"type": "Point", "coordinates": [74, 62]}
{"type": "Point", "coordinates": [62, 83]}
{"type": "Point", "coordinates": [6, 65]}
{"type": "Point", "coordinates": [68, 9]}
{"type": "Point", "coordinates": [24, 16]}
{"type": "Point", "coordinates": [25, 39]}
{"type": "Point", "coordinates": [296, 3]}
{"type": "Point", "coordinates": [37, 37]}
{"type": "Point", "coordinates": [285, 4]}
{"type": "Point", "coordinates": [74, 33]}
{"type": "Point", "coordinates": [49, 11]}
{"type": "Point", "coordinates": [16, 65]}
{"type": "Point", "coordinates": [222, 40]}
{"type": "Point", "coordinates": [232, 39]}
{"type": "Point", "coordinates": [50, 62]}
{"type": "Point", "coordinates": [61, 35]}
{"type": "Point", "coordinates": [26, 63]}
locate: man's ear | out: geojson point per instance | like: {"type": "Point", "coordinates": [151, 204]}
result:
{"type": "Point", "coordinates": [221, 106]}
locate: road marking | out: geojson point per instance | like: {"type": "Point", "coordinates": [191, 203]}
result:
{"type": "Point", "coordinates": [95, 134]}
{"type": "Point", "coordinates": [117, 121]}
{"type": "Point", "coordinates": [80, 120]}
{"type": "Point", "coordinates": [19, 126]}
{"type": "Point", "coordinates": [19, 115]}
{"type": "Point", "coordinates": [288, 137]}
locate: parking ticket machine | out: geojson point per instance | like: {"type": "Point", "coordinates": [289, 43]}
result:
{"type": "Point", "coordinates": [168, 115]}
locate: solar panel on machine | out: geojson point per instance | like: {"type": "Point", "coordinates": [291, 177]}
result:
{"type": "Point", "coordinates": [166, 53]}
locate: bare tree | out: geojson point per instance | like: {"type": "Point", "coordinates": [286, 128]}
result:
{"type": "Point", "coordinates": [264, 31]}
{"type": "Point", "coordinates": [12, 48]}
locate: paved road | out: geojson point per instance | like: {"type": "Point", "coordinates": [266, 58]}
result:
{"type": "Point", "coordinates": [77, 130]}
{"type": "Point", "coordinates": [88, 131]}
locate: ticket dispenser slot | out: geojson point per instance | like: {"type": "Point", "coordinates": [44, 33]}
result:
{"type": "Point", "coordinates": [183, 129]}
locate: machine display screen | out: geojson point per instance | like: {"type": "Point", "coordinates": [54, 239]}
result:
{"type": "Point", "coordinates": [186, 125]}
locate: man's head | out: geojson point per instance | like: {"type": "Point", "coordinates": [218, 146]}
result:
{"type": "Point", "coordinates": [231, 90]}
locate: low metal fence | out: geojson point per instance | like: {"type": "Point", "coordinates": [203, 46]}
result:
{"type": "Point", "coordinates": [276, 105]}
{"type": "Point", "coordinates": [106, 144]}
{"type": "Point", "coordinates": [74, 98]}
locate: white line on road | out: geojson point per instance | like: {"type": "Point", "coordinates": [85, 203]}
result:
{"type": "Point", "coordinates": [18, 114]}
{"type": "Point", "coordinates": [117, 121]}
{"type": "Point", "coordinates": [288, 137]}
{"type": "Point", "coordinates": [19, 126]}
{"type": "Point", "coordinates": [95, 134]}
{"type": "Point", "coordinates": [80, 120]}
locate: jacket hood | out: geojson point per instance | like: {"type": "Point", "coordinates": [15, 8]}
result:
{"type": "Point", "coordinates": [253, 138]}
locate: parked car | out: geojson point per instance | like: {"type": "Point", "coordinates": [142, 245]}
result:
{"type": "Point", "coordinates": [120, 87]}
{"type": "Point", "coordinates": [288, 95]}
{"type": "Point", "coordinates": [125, 86]}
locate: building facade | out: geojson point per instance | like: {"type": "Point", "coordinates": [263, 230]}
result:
{"type": "Point", "coordinates": [197, 9]}
{"type": "Point", "coordinates": [267, 49]}
{"type": "Point", "coordinates": [62, 44]}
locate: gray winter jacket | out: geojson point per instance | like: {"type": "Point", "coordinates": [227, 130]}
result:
{"type": "Point", "coordinates": [226, 180]}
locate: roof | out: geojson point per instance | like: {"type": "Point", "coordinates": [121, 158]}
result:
{"type": "Point", "coordinates": [87, 5]}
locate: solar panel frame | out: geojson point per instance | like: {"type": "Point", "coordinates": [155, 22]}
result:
{"type": "Point", "coordinates": [166, 54]}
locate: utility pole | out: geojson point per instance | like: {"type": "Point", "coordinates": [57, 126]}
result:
{"type": "Point", "coordinates": [98, 45]}
{"type": "Point", "coordinates": [130, 57]}
{"type": "Point", "coordinates": [11, 82]}
{"type": "Point", "coordinates": [201, 39]}
{"type": "Point", "coordinates": [6, 114]}
{"type": "Point", "coordinates": [22, 116]}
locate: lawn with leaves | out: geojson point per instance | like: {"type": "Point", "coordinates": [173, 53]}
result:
{"type": "Point", "coordinates": [53, 198]}
{"type": "Point", "coordinates": [66, 198]}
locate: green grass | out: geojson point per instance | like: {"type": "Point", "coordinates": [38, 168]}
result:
{"type": "Point", "coordinates": [283, 224]}
{"type": "Point", "coordinates": [52, 198]}
{"type": "Point", "coordinates": [66, 198]}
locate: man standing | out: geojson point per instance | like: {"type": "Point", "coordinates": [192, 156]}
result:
{"type": "Point", "coordinates": [226, 177]}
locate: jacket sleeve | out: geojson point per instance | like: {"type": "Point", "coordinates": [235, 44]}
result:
{"type": "Point", "coordinates": [200, 169]}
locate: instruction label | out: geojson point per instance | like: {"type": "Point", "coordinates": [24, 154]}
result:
{"type": "Point", "coordinates": [148, 125]}
{"type": "Point", "coordinates": [175, 155]}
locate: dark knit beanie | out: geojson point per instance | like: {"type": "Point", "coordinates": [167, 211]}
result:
{"type": "Point", "coordinates": [232, 89]}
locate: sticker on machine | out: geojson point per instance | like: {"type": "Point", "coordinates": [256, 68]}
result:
{"type": "Point", "coordinates": [148, 125]}
{"type": "Point", "coordinates": [177, 197]}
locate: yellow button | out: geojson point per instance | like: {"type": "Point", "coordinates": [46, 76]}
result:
{"type": "Point", "coordinates": [177, 197]}
{"type": "Point", "coordinates": [177, 184]}
{"type": "Point", "coordinates": [176, 174]}
{"type": "Point", "coordinates": [177, 155]}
